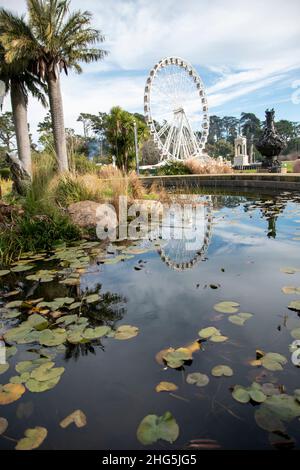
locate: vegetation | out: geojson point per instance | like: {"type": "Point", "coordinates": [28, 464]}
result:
{"type": "Point", "coordinates": [52, 41]}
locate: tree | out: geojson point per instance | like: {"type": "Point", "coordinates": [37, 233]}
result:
{"type": "Point", "coordinates": [251, 128]}
{"type": "Point", "coordinates": [215, 129]}
{"type": "Point", "coordinates": [119, 131]}
{"type": "Point", "coordinates": [54, 41]}
{"type": "Point", "coordinates": [221, 148]}
{"type": "Point", "coordinates": [7, 132]}
{"type": "Point", "coordinates": [20, 82]}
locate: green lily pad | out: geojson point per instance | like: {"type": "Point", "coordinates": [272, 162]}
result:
{"type": "Point", "coordinates": [18, 333]}
{"type": "Point", "coordinates": [36, 386]}
{"type": "Point", "coordinates": [98, 332]}
{"type": "Point", "coordinates": [294, 305]}
{"type": "Point", "coordinates": [3, 368]}
{"type": "Point", "coordinates": [29, 366]}
{"type": "Point", "coordinates": [153, 428]}
{"type": "Point", "coordinates": [90, 299]}
{"type": "Point", "coordinates": [126, 332]}
{"type": "Point", "coordinates": [285, 407]}
{"type": "Point", "coordinates": [14, 304]}
{"type": "Point", "coordinates": [196, 378]}
{"type": "Point", "coordinates": [240, 318]}
{"type": "Point", "coordinates": [4, 272]}
{"type": "Point", "coordinates": [33, 438]}
{"type": "Point", "coordinates": [177, 357]}
{"type": "Point", "coordinates": [21, 268]}
{"type": "Point", "coordinates": [241, 394]}
{"type": "Point", "coordinates": [20, 379]}
{"type": "Point", "coordinates": [273, 361]}
{"type": "Point", "coordinates": [267, 420]}
{"type": "Point", "coordinates": [218, 371]}
{"type": "Point", "coordinates": [47, 372]}
{"type": "Point", "coordinates": [227, 307]}
{"type": "Point", "coordinates": [38, 322]}
{"type": "Point", "coordinates": [257, 395]}
{"type": "Point", "coordinates": [296, 333]}
{"type": "Point", "coordinates": [11, 314]}
{"type": "Point", "coordinates": [53, 337]}
{"type": "Point", "coordinates": [206, 333]}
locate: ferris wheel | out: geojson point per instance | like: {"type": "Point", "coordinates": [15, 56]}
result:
{"type": "Point", "coordinates": [176, 110]}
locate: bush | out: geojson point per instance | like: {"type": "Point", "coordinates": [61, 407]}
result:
{"type": "Point", "coordinates": [84, 165]}
{"type": "Point", "coordinates": [5, 173]}
{"type": "Point", "coordinates": [174, 167]}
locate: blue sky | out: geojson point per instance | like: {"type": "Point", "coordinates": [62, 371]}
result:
{"type": "Point", "coordinates": [247, 53]}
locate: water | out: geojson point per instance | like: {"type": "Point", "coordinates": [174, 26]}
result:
{"type": "Point", "coordinates": [113, 382]}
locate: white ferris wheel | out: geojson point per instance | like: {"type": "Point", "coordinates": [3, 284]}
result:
{"type": "Point", "coordinates": [176, 110]}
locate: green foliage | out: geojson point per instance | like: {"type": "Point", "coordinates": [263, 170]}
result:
{"type": "Point", "coordinates": [84, 165]}
{"type": "Point", "coordinates": [7, 132]}
{"type": "Point", "coordinates": [174, 168]}
{"type": "Point", "coordinates": [70, 190]}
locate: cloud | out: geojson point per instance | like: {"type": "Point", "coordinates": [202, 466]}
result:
{"type": "Point", "coordinates": [241, 48]}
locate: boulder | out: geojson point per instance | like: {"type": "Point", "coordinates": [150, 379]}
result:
{"type": "Point", "coordinates": [84, 213]}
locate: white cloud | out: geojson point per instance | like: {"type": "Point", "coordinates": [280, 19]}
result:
{"type": "Point", "coordinates": [246, 46]}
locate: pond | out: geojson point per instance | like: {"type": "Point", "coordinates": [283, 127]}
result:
{"type": "Point", "coordinates": [84, 327]}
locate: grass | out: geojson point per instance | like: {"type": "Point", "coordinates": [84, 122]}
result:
{"type": "Point", "coordinates": [5, 187]}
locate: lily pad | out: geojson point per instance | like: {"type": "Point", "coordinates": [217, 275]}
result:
{"type": "Point", "coordinates": [196, 378]}
{"type": "Point", "coordinates": [90, 299]}
{"type": "Point", "coordinates": [38, 322]}
{"type": "Point", "coordinates": [98, 332]}
{"type": "Point", "coordinates": [294, 305]}
{"type": "Point", "coordinates": [53, 337]}
{"type": "Point", "coordinates": [241, 394]}
{"type": "Point", "coordinates": [36, 386]}
{"type": "Point", "coordinates": [206, 333]}
{"type": "Point", "coordinates": [21, 268]}
{"type": "Point", "coordinates": [126, 332]}
{"type": "Point", "coordinates": [77, 417]}
{"type": "Point", "coordinates": [14, 304]}
{"type": "Point", "coordinates": [289, 270]}
{"type": "Point", "coordinates": [273, 361]}
{"type": "Point", "coordinates": [10, 393]}
{"type": "Point", "coordinates": [3, 368]}
{"type": "Point", "coordinates": [267, 420]}
{"type": "Point", "coordinates": [33, 438]}
{"type": "Point", "coordinates": [46, 372]}
{"type": "Point", "coordinates": [4, 272]}
{"type": "Point", "coordinates": [296, 333]}
{"type": "Point", "coordinates": [218, 371]}
{"type": "Point", "coordinates": [240, 319]}
{"type": "Point", "coordinates": [166, 387]}
{"type": "Point", "coordinates": [291, 290]}
{"type": "Point", "coordinates": [176, 357]}
{"type": "Point", "coordinates": [153, 428]}
{"type": "Point", "coordinates": [227, 307]}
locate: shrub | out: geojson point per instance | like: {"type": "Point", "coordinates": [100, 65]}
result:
{"type": "Point", "coordinates": [213, 167]}
{"type": "Point", "coordinates": [5, 173]}
{"type": "Point", "coordinates": [174, 167]}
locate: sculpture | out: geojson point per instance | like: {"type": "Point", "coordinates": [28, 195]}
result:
{"type": "Point", "coordinates": [270, 145]}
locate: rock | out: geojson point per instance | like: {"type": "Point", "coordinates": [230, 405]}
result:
{"type": "Point", "coordinates": [91, 214]}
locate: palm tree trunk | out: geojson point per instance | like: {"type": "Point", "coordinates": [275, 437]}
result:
{"type": "Point", "coordinates": [58, 124]}
{"type": "Point", "coordinates": [19, 110]}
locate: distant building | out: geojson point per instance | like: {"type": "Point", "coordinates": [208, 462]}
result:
{"type": "Point", "coordinates": [241, 158]}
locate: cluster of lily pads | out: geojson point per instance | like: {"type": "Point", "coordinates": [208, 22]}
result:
{"type": "Point", "coordinates": [48, 326]}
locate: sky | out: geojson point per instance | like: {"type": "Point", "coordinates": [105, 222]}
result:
{"type": "Point", "coordinates": [246, 52]}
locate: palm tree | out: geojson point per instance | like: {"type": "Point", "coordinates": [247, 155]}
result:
{"type": "Point", "coordinates": [21, 82]}
{"type": "Point", "coordinates": [55, 41]}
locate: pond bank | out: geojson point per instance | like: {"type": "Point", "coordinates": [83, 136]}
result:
{"type": "Point", "coordinates": [285, 182]}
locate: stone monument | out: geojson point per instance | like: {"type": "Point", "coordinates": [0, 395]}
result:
{"type": "Point", "coordinates": [270, 145]}
{"type": "Point", "coordinates": [240, 151]}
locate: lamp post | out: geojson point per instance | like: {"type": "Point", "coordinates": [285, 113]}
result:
{"type": "Point", "coordinates": [2, 93]}
{"type": "Point", "coordinates": [136, 148]}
